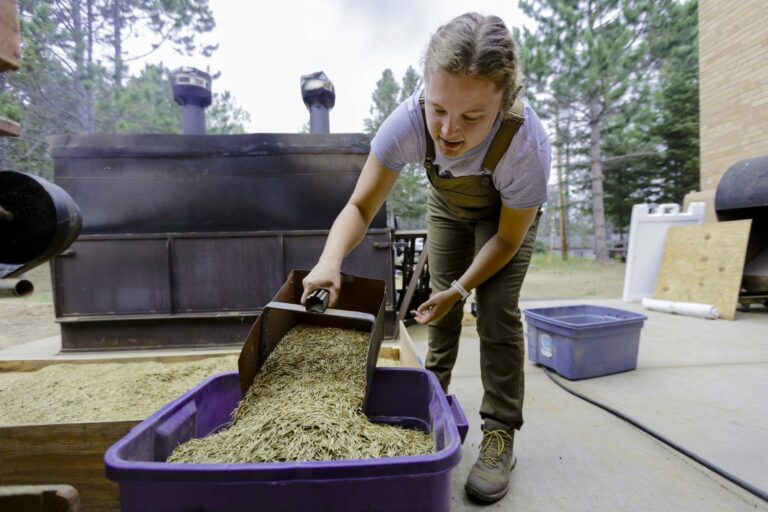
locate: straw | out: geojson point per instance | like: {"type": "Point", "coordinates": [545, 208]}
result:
{"type": "Point", "coordinates": [306, 405]}
{"type": "Point", "coordinates": [80, 393]}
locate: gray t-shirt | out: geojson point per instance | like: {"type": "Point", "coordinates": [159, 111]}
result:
{"type": "Point", "coordinates": [521, 175]}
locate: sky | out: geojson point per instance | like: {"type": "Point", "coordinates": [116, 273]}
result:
{"type": "Point", "coordinates": [266, 45]}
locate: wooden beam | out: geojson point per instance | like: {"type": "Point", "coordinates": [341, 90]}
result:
{"type": "Point", "coordinates": [39, 497]}
{"type": "Point", "coordinates": [7, 127]}
{"type": "Point", "coordinates": [32, 365]}
{"type": "Point", "coordinates": [412, 285]}
{"type": "Point", "coordinates": [71, 453]}
{"type": "Point", "coordinates": [10, 52]}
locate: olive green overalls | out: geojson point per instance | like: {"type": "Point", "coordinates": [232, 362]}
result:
{"type": "Point", "coordinates": [463, 214]}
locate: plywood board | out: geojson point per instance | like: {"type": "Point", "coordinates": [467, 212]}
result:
{"type": "Point", "coordinates": [705, 264]}
{"type": "Point", "coordinates": [9, 35]}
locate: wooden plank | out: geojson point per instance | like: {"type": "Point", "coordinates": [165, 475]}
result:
{"type": "Point", "coordinates": [10, 53]}
{"type": "Point", "coordinates": [62, 498]}
{"type": "Point", "coordinates": [71, 454]}
{"type": "Point", "coordinates": [31, 365]}
{"type": "Point", "coordinates": [9, 128]}
{"type": "Point", "coordinates": [400, 350]}
{"type": "Point", "coordinates": [412, 284]}
{"type": "Point", "coordinates": [705, 264]}
{"type": "Point", "coordinates": [408, 355]}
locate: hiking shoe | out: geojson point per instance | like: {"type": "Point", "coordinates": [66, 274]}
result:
{"type": "Point", "coordinates": [489, 479]}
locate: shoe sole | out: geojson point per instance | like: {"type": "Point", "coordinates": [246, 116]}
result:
{"type": "Point", "coordinates": [489, 498]}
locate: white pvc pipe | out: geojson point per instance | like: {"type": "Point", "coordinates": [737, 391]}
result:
{"type": "Point", "coordinates": [681, 308]}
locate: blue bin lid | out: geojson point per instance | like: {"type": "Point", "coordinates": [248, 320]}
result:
{"type": "Point", "coordinates": [584, 316]}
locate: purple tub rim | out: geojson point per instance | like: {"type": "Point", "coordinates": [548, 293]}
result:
{"type": "Point", "coordinates": [539, 314]}
{"type": "Point", "coordinates": [120, 470]}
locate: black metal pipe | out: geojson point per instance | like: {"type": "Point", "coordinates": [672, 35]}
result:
{"type": "Point", "coordinates": [319, 96]}
{"type": "Point", "coordinates": [319, 119]}
{"type": "Point", "coordinates": [192, 120]}
{"type": "Point", "coordinates": [16, 287]}
{"type": "Point", "coordinates": [192, 90]}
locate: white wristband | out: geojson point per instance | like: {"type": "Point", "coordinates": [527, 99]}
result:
{"type": "Point", "coordinates": [463, 292]}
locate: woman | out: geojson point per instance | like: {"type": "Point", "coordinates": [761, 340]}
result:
{"type": "Point", "coordinates": [483, 212]}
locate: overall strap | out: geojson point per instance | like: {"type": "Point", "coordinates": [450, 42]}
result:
{"type": "Point", "coordinates": [429, 158]}
{"type": "Point", "coordinates": [512, 122]}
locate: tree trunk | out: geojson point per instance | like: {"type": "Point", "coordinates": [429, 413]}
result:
{"type": "Point", "coordinates": [80, 69]}
{"type": "Point", "coordinates": [553, 230]}
{"type": "Point", "coordinates": [90, 122]}
{"type": "Point", "coordinates": [560, 191]}
{"type": "Point", "coordinates": [598, 203]}
{"type": "Point", "coordinates": [117, 43]}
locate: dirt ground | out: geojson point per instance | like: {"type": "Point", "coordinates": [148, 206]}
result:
{"type": "Point", "coordinates": [29, 318]}
{"type": "Point", "coordinates": [32, 318]}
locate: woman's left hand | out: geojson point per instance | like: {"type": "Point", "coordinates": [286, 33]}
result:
{"type": "Point", "coordinates": [437, 306]}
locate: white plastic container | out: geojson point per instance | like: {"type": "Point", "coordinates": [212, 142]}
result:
{"type": "Point", "coordinates": [647, 236]}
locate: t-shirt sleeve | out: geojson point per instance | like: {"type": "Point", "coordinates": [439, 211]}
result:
{"type": "Point", "coordinates": [525, 166]}
{"type": "Point", "coordinates": [398, 141]}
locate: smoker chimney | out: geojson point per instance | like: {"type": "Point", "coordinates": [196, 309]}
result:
{"type": "Point", "coordinates": [319, 97]}
{"type": "Point", "coordinates": [192, 90]}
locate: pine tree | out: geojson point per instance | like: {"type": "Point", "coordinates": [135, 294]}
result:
{"type": "Point", "coordinates": [674, 43]}
{"type": "Point", "coordinates": [411, 83]}
{"type": "Point", "coordinates": [600, 49]}
{"type": "Point", "coordinates": [61, 88]}
{"type": "Point", "coordinates": [407, 201]}
{"type": "Point", "coordinates": [384, 101]}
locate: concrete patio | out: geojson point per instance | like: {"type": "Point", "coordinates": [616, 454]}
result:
{"type": "Point", "coordinates": [701, 383]}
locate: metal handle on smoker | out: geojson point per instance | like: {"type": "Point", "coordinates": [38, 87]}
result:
{"type": "Point", "coordinates": [340, 313]}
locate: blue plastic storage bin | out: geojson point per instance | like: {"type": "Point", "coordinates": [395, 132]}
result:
{"type": "Point", "coordinates": [584, 341]}
{"type": "Point", "coordinates": [409, 397]}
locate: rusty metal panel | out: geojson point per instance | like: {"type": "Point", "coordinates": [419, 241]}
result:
{"type": "Point", "coordinates": [100, 277]}
{"type": "Point", "coordinates": [225, 273]}
{"type": "Point", "coordinates": [185, 183]}
{"type": "Point", "coordinates": [372, 258]}
{"type": "Point", "coordinates": [144, 333]}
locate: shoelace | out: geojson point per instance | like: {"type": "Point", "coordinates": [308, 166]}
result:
{"type": "Point", "coordinates": [492, 447]}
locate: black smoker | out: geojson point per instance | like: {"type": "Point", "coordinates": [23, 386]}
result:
{"type": "Point", "coordinates": [192, 90]}
{"type": "Point", "coordinates": [319, 97]}
{"type": "Point", "coordinates": [186, 237]}
{"type": "Point", "coordinates": [743, 194]}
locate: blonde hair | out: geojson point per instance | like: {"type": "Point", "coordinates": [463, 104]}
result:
{"type": "Point", "coordinates": [479, 47]}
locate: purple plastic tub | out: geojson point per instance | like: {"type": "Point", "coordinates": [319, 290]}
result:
{"type": "Point", "coordinates": [409, 397]}
{"type": "Point", "coordinates": [584, 341]}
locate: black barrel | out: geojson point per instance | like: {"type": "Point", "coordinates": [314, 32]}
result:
{"type": "Point", "coordinates": [743, 194]}
{"type": "Point", "coordinates": [38, 220]}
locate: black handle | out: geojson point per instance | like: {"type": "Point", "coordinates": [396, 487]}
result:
{"type": "Point", "coordinates": [317, 302]}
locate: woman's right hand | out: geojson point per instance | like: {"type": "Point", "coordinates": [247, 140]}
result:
{"type": "Point", "coordinates": [323, 276]}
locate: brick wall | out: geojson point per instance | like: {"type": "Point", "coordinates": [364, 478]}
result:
{"type": "Point", "coordinates": [733, 94]}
